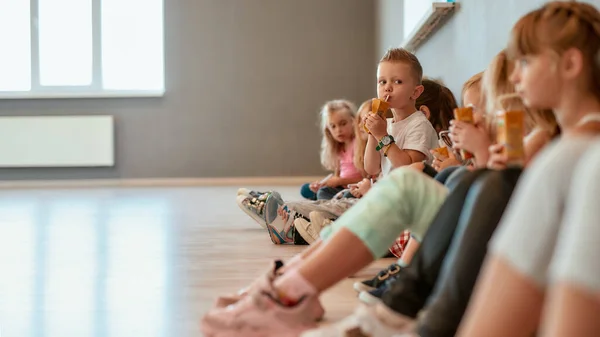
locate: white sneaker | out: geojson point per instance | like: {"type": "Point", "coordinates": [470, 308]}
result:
{"type": "Point", "coordinates": [320, 220]}
{"type": "Point", "coordinates": [376, 320]}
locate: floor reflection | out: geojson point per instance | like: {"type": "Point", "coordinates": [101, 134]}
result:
{"type": "Point", "coordinates": [85, 267]}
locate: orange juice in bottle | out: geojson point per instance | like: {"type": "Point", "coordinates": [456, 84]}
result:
{"type": "Point", "coordinates": [465, 115]}
{"type": "Point", "coordinates": [379, 107]}
{"type": "Point", "coordinates": [510, 128]}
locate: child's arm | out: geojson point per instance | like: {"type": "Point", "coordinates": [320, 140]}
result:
{"type": "Point", "coordinates": [338, 181]}
{"type": "Point", "coordinates": [399, 157]}
{"type": "Point", "coordinates": [372, 157]}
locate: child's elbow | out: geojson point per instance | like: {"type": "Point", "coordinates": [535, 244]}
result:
{"type": "Point", "coordinates": [371, 170]}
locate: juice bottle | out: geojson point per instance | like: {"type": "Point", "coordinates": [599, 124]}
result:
{"type": "Point", "coordinates": [379, 107]}
{"type": "Point", "coordinates": [510, 128]}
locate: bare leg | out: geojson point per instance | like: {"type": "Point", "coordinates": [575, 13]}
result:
{"type": "Point", "coordinates": [323, 270]}
{"type": "Point", "coordinates": [571, 311]}
{"type": "Point", "coordinates": [504, 304]}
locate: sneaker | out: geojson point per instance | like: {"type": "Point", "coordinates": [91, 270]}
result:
{"type": "Point", "coordinates": [378, 280]}
{"type": "Point", "coordinates": [260, 313]}
{"type": "Point", "coordinates": [374, 296]}
{"type": "Point", "coordinates": [308, 231]}
{"type": "Point", "coordinates": [272, 273]}
{"type": "Point", "coordinates": [366, 321]}
{"type": "Point", "coordinates": [257, 207]}
{"type": "Point", "coordinates": [250, 193]}
{"type": "Point", "coordinates": [280, 231]}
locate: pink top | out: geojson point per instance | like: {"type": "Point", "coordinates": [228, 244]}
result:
{"type": "Point", "coordinates": [347, 168]}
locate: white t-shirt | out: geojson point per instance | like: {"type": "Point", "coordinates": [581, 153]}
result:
{"type": "Point", "coordinates": [415, 132]}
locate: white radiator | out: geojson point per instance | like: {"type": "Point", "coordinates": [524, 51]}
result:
{"type": "Point", "coordinates": [57, 141]}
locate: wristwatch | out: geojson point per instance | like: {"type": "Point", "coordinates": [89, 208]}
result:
{"type": "Point", "coordinates": [386, 140]}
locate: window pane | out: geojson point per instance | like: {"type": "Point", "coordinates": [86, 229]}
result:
{"type": "Point", "coordinates": [132, 44]}
{"type": "Point", "coordinates": [65, 33]}
{"type": "Point", "coordinates": [15, 39]}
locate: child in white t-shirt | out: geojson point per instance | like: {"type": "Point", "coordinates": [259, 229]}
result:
{"type": "Point", "coordinates": [408, 136]}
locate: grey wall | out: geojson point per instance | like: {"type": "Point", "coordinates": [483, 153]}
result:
{"type": "Point", "coordinates": [389, 24]}
{"type": "Point", "coordinates": [469, 39]}
{"type": "Point", "coordinates": [245, 80]}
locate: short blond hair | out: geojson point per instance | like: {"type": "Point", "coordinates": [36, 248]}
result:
{"type": "Point", "coordinates": [404, 56]}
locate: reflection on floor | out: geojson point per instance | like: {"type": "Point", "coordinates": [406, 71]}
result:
{"type": "Point", "coordinates": [129, 262]}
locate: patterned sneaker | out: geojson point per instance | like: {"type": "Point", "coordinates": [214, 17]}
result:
{"type": "Point", "coordinates": [260, 314]}
{"type": "Point", "coordinates": [250, 193]}
{"type": "Point", "coordinates": [366, 321]}
{"type": "Point", "coordinates": [378, 280]}
{"type": "Point", "coordinates": [280, 231]}
{"type": "Point", "coordinates": [256, 207]}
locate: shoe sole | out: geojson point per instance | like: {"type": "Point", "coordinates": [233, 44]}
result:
{"type": "Point", "coordinates": [368, 299]}
{"type": "Point", "coordinates": [300, 230]}
{"type": "Point", "coordinates": [360, 287]}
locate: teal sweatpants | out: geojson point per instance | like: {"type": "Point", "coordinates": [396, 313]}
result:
{"type": "Point", "coordinates": [405, 199]}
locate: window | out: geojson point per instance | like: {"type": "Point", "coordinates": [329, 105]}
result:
{"type": "Point", "coordinates": [81, 48]}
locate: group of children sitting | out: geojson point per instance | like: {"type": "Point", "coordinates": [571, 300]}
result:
{"type": "Point", "coordinates": [495, 237]}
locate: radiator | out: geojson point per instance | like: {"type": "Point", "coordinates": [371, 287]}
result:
{"type": "Point", "coordinates": [57, 141]}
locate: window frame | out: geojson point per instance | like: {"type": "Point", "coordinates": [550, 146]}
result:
{"type": "Point", "coordinates": [94, 90]}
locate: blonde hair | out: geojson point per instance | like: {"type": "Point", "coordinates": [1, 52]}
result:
{"type": "Point", "coordinates": [330, 148]}
{"type": "Point", "coordinates": [404, 56]}
{"type": "Point", "coordinates": [559, 26]}
{"type": "Point", "coordinates": [472, 83]}
{"type": "Point", "coordinates": [500, 94]}
{"type": "Point", "coordinates": [360, 144]}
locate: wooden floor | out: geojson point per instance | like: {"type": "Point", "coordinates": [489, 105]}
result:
{"type": "Point", "coordinates": [130, 262]}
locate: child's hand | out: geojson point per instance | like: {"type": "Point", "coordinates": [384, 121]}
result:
{"type": "Point", "coordinates": [315, 187]}
{"type": "Point", "coordinates": [419, 166]}
{"type": "Point", "coordinates": [440, 164]}
{"type": "Point", "coordinates": [498, 159]}
{"type": "Point", "coordinates": [469, 137]}
{"type": "Point", "coordinates": [376, 125]}
{"type": "Point", "coordinates": [361, 188]}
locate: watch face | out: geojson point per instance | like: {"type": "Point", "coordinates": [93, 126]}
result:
{"type": "Point", "coordinates": [387, 140]}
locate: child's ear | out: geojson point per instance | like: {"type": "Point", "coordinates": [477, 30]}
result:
{"type": "Point", "coordinates": [417, 92]}
{"type": "Point", "coordinates": [425, 110]}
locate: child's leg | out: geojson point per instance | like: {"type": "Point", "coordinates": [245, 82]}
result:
{"type": "Point", "coordinates": [406, 199]}
{"type": "Point", "coordinates": [508, 298]}
{"type": "Point", "coordinates": [573, 307]}
{"type": "Point", "coordinates": [480, 216]}
{"type": "Point", "coordinates": [307, 193]}
{"type": "Point", "coordinates": [414, 284]}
